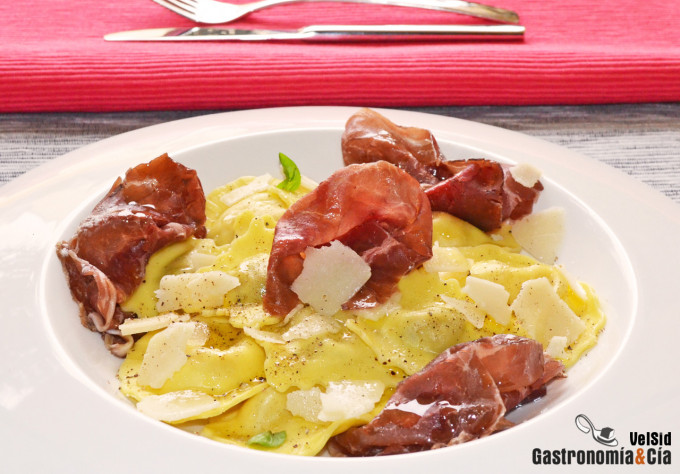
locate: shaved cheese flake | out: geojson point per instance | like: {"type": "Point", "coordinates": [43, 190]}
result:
{"type": "Point", "coordinates": [556, 346]}
{"type": "Point", "coordinates": [525, 174]}
{"type": "Point", "coordinates": [264, 336]}
{"type": "Point", "coordinates": [199, 336]}
{"type": "Point", "coordinates": [193, 292]}
{"type": "Point", "coordinates": [310, 326]}
{"type": "Point", "coordinates": [167, 352]}
{"type": "Point", "coordinates": [175, 406]}
{"type": "Point", "coordinates": [472, 313]}
{"type": "Point", "coordinates": [574, 284]}
{"type": "Point", "coordinates": [341, 401]}
{"type": "Point", "coordinates": [347, 399]}
{"type": "Point", "coordinates": [330, 276]}
{"type": "Point", "coordinates": [541, 233]}
{"type": "Point", "coordinates": [488, 267]}
{"type": "Point", "coordinates": [490, 297]}
{"type": "Point", "coordinates": [543, 314]}
{"type": "Point", "coordinates": [196, 260]}
{"type": "Point", "coordinates": [446, 259]}
{"type": "Point", "coordinates": [308, 183]}
{"type": "Point", "coordinates": [140, 325]}
{"type": "Point", "coordinates": [257, 185]}
{"type": "Point", "coordinates": [305, 403]}
{"type": "Point", "coordinates": [292, 313]}
{"type": "Point", "coordinates": [378, 312]}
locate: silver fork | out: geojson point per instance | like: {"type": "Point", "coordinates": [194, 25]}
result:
{"type": "Point", "coordinates": [212, 11]}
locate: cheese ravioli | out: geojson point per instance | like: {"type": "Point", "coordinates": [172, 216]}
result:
{"type": "Point", "coordinates": [244, 369]}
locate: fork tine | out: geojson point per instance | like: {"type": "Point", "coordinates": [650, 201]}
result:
{"type": "Point", "coordinates": [188, 4]}
{"type": "Point", "coordinates": [171, 5]}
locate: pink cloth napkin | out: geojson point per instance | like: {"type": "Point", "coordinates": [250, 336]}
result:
{"type": "Point", "coordinates": [53, 58]}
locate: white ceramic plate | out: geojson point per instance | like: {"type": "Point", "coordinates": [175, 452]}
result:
{"type": "Point", "coordinates": [60, 411]}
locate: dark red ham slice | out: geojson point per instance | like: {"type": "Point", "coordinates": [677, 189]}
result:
{"type": "Point", "coordinates": [463, 394]}
{"type": "Point", "coordinates": [369, 137]}
{"type": "Point", "coordinates": [480, 191]}
{"type": "Point", "coordinates": [376, 209]}
{"type": "Point", "coordinates": [154, 205]}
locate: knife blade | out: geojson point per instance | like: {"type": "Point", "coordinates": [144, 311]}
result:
{"type": "Point", "coordinates": [327, 33]}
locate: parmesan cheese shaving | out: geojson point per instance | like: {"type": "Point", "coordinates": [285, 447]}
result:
{"type": "Point", "coordinates": [472, 313]}
{"type": "Point", "coordinates": [556, 346]}
{"type": "Point", "coordinates": [330, 276]}
{"type": "Point", "coordinates": [344, 400]}
{"type": "Point", "coordinates": [308, 183]}
{"type": "Point", "coordinates": [264, 336]}
{"type": "Point", "coordinates": [197, 260]}
{"type": "Point", "coordinates": [543, 315]}
{"type": "Point", "coordinates": [374, 314]}
{"type": "Point", "coordinates": [525, 174]}
{"type": "Point", "coordinates": [490, 297]}
{"type": "Point", "coordinates": [574, 284]}
{"type": "Point", "coordinates": [292, 313]}
{"type": "Point", "coordinates": [310, 326]}
{"type": "Point", "coordinates": [541, 234]}
{"type": "Point", "coordinates": [341, 401]}
{"type": "Point", "coordinates": [167, 352]}
{"type": "Point", "coordinates": [176, 406]}
{"type": "Point", "coordinates": [305, 403]}
{"type": "Point", "coordinates": [140, 325]}
{"type": "Point", "coordinates": [257, 185]}
{"type": "Point", "coordinates": [193, 292]}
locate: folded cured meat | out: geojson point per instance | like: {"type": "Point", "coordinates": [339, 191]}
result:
{"type": "Point", "coordinates": [154, 205]}
{"type": "Point", "coordinates": [376, 209]}
{"type": "Point", "coordinates": [463, 394]}
{"type": "Point", "coordinates": [480, 191]}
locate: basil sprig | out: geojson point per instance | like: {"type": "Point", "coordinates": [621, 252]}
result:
{"type": "Point", "coordinates": [291, 172]}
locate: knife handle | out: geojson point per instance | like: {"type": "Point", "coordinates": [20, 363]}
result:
{"type": "Point", "coordinates": [410, 32]}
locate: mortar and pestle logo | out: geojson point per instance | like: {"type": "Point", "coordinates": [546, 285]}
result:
{"type": "Point", "coordinates": [604, 436]}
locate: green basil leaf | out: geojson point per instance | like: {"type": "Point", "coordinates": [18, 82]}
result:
{"type": "Point", "coordinates": [268, 439]}
{"type": "Point", "coordinates": [291, 173]}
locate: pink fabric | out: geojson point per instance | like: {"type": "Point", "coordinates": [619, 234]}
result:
{"type": "Point", "coordinates": [53, 58]}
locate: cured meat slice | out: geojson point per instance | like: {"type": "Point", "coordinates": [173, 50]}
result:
{"type": "Point", "coordinates": [376, 209]}
{"type": "Point", "coordinates": [463, 394]}
{"type": "Point", "coordinates": [479, 191]}
{"type": "Point", "coordinates": [369, 137]}
{"type": "Point", "coordinates": [155, 204]}
{"type": "Point", "coordinates": [483, 193]}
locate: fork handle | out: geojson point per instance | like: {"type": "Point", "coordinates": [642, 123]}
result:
{"type": "Point", "coordinates": [452, 6]}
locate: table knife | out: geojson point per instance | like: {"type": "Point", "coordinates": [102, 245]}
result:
{"type": "Point", "coordinates": [327, 33]}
